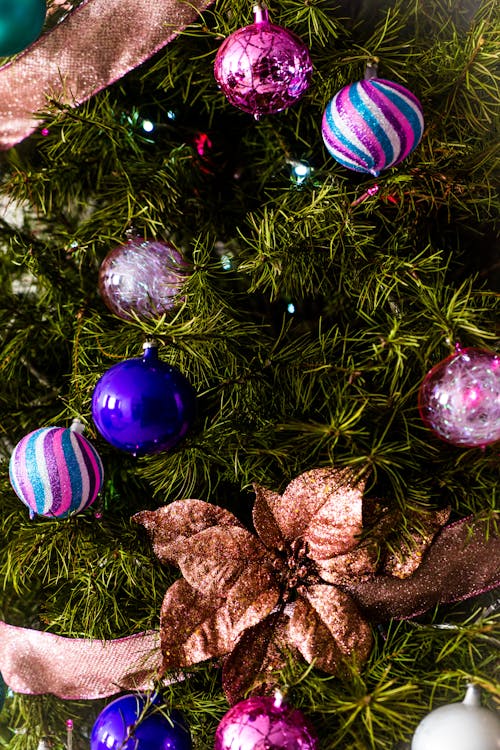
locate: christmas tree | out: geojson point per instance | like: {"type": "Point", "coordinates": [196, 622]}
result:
{"type": "Point", "coordinates": [311, 301]}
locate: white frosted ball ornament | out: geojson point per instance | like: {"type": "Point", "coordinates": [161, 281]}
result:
{"type": "Point", "coordinates": [459, 726]}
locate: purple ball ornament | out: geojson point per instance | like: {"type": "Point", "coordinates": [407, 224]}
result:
{"type": "Point", "coordinates": [372, 124]}
{"type": "Point", "coordinates": [142, 279]}
{"type": "Point", "coordinates": [263, 68]}
{"type": "Point", "coordinates": [132, 722]}
{"type": "Point", "coordinates": [142, 405]}
{"type": "Point", "coordinates": [264, 723]}
{"type": "Point", "coordinates": [459, 399]}
{"type": "Point", "coordinates": [55, 471]}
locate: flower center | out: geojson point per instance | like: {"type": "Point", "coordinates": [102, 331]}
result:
{"type": "Point", "coordinates": [296, 568]}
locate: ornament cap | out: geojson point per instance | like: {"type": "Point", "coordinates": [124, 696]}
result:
{"type": "Point", "coordinates": [472, 696]}
{"type": "Point", "coordinates": [150, 350]}
{"type": "Point", "coordinates": [260, 14]}
{"type": "Point", "coordinates": [77, 426]}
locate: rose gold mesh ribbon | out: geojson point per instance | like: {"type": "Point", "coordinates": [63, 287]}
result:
{"type": "Point", "coordinates": [95, 45]}
{"type": "Point", "coordinates": [77, 668]}
{"type": "Point", "coordinates": [463, 561]}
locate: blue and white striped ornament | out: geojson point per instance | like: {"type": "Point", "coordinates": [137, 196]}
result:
{"type": "Point", "coordinates": [55, 471]}
{"type": "Point", "coordinates": [372, 124]}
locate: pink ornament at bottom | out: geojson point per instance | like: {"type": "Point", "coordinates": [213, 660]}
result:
{"type": "Point", "coordinates": [459, 399]}
{"type": "Point", "coordinates": [264, 723]}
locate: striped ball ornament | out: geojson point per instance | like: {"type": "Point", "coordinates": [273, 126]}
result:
{"type": "Point", "coordinates": [372, 124]}
{"type": "Point", "coordinates": [55, 471]}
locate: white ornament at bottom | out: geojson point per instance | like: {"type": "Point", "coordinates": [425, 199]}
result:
{"type": "Point", "coordinates": [459, 726]}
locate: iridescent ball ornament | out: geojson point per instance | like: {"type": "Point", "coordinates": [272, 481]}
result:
{"type": "Point", "coordinates": [372, 125]}
{"type": "Point", "coordinates": [142, 279]}
{"type": "Point", "coordinates": [459, 726]}
{"type": "Point", "coordinates": [459, 399]}
{"type": "Point", "coordinates": [55, 471]}
{"type": "Point", "coordinates": [263, 68]}
{"type": "Point", "coordinates": [264, 723]}
{"type": "Point", "coordinates": [143, 405]}
{"type": "Point", "coordinates": [21, 22]}
{"type": "Point", "coordinates": [132, 722]}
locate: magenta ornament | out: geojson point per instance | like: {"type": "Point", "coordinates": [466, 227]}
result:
{"type": "Point", "coordinates": [142, 279]}
{"type": "Point", "coordinates": [459, 399]}
{"type": "Point", "coordinates": [264, 723]}
{"type": "Point", "coordinates": [263, 68]}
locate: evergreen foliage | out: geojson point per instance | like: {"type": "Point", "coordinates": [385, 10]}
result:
{"type": "Point", "coordinates": [380, 289]}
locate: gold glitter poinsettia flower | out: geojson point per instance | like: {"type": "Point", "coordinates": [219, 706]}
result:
{"type": "Point", "coordinates": [251, 598]}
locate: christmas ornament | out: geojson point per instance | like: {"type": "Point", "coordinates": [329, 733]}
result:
{"type": "Point", "coordinates": [21, 22]}
{"type": "Point", "coordinates": [143, 405]}
{"type": "Point", "coordinates": [264, 723]}
{"type": "Point", "coordinates": [132, 722]}
{"type": "Point", "coordinates": [459, 399]}
{"type": "Point", "coordinates": [55, 471]}
{"type": "Point", "coordinates": [459, 726]}
{"type": "Point", "coordinates": [372, 124]}
{"type": "Point", "coordinates": [263, 68]}
{"type": "Point", "coordinates": [142, 278]}
{"type": "Point", "coordinates": [94, 37]}
{"type": "Point", "coordinates": [307, 548]}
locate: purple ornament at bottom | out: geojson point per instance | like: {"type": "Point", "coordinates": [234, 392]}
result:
{"type": "Point", "coordinates": [132, 722]}
{"type": "Point", "coordinates": [264, 723]}
{"type": "Point", "coordinates": [459, 399]}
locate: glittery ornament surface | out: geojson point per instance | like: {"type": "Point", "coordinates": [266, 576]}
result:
{"type": "Point", "coordinates": [55, 472]}
{"type": "Point", "coordinates": [142, 278]}
{"type": "Point", "coordinates": [263, 68]}
{"type": "Point", "coordinates": [372, 124]}
{"type": "Point", "coordinates": [459, 399]}
{"type": "Point", "coordinates": [95, 45]}
{"type": "Point", "coordinates": [264, 723]}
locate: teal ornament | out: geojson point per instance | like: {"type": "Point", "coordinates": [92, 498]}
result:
{"type": "Point", "coordinates": [3, 691]}
{"type": "Point", "coordinates": [21, 22]}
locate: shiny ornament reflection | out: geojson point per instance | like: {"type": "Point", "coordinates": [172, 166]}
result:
{"type": "Point", "coordinates": [142, 278]}
{"type": "Point", "coordinates": [264, 723]}
{"type": "Point", "coordinates": [132, 722]}
{"type": "Point", "coordinates": [263, 68]}
{"type": "Point", "coordinates": [459, 398]}
{"type": "Point", "coordinates": [459, 726]}
{"type": "Point", "coordinates": [142, 405]}
{"type": "Point", "coordinates": [21, 22]}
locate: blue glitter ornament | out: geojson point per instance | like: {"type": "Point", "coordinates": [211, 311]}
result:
{"type": "Point", "coordinates": [21, 22]}
{"type": "Point", "coordinates": [132, 722]}
{"type": "Point", "coordinates": [143, 405]}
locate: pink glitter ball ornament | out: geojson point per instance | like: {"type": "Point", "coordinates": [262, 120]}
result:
{"type": "Point", "coordinates": [263, 68]}
{"type": "Point", "coordinates": [142, 278]}
{"type": "Point", "coordinates": [459, 399]}
{"type": "Point", "coordinates": [264, 723]}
